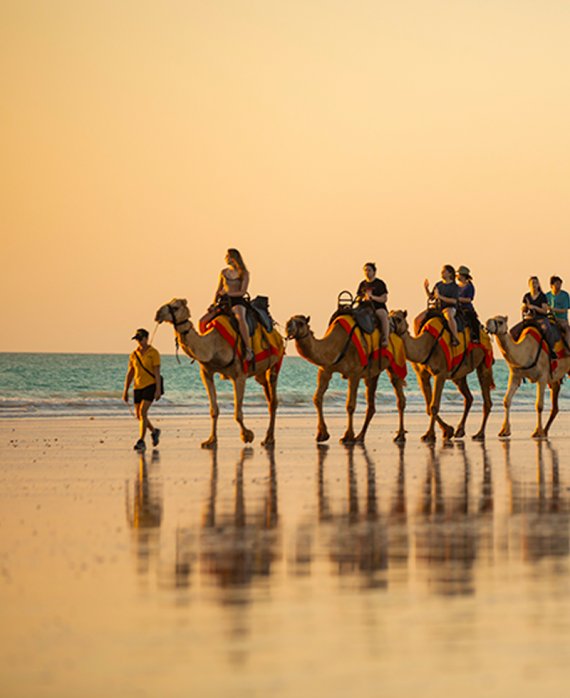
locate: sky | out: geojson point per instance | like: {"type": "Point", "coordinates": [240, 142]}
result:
{"type": "Point", "coordinates": [141, 139]}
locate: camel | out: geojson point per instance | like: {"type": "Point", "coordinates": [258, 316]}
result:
{"type": "Point", "coordinates": [215, 355]}
{"type": "Point", "coordinates": [332, 355]}
{"type": "Point", "coordinates": [526, 360]}
{"type": "Point", "coordinates": [428, 359]}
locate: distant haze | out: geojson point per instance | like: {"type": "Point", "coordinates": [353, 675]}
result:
{"type": "Point", "coordinates": [140, 140]}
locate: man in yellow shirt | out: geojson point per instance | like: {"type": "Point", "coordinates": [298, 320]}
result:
{"type": "Point", "coordinates": [144, 367]}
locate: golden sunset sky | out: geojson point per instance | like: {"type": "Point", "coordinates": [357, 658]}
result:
{"type": "Point", "coordinates": [140, 140]}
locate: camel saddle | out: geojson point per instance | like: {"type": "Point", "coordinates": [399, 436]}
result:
{"type": "Point", "coordinates": [549, 331]}
{"type": "Point", "coordinates": [364, 316]}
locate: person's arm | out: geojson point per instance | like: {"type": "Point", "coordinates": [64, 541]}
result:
{"type": "Point", "coordinates": [429, 293]}
{"type": "Point", "coordinates": [446, 299]}
{"type": "Point", "coordinates": [128, 380]}
{"type": "Point", "coordinates": [157, 379]}
{"type": "Point", "coordinates": [220, 289]}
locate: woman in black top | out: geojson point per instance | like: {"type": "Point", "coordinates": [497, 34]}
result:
{"type": "Point", "coordinates": [375, 291]}
{"type": "Point", "coordinates": [534, 302]}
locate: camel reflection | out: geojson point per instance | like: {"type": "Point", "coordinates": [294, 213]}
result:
{"type": "Point", "coordinates": [539, 512]}
{"type": "Point", "coordinates": [452, 530]}
{"type": "Point", "coordinates": [144, 513]}
{"type": "Point", "coordinates": [240, 545]}
{"type": "Point", "coordinates": [363, 541]}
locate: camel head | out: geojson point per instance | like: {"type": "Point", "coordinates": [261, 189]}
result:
{"type": "Point", "coordinates": [298, 327]}
{"type": "Point", "coordinates": [398, 320]}
{"type": "Point", "coordinates": [498, 325]}
{"type": "Point", "coordinates": [175, 312]}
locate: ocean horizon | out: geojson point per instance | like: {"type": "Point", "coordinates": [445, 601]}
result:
{"type": "Point", "coordinates": [72, 385]}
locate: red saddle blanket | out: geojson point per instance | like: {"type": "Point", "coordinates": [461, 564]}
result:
{"type": "Point", "coordinates": [455, 355]}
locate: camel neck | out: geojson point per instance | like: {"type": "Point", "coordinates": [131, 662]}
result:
{"type": "Point", "coordinates": [417, 348]}
{"type": "Point", "coordinates": [322, 352]}
{"type": "Point", "coordinates": [193, 344]}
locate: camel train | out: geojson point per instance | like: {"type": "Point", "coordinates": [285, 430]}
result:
{"type": "Point", "coordinates": [239, 340]}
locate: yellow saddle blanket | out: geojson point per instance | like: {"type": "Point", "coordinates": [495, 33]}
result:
{"type": "Point", "coordinates": [263, 343]}
{"type": "Point", "coordinates": [368, 346]}
{"type": "Point", "coordinates": [455, 355]}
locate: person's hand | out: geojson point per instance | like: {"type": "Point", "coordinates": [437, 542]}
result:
{"type": "Point", "coordinates": [157, 394]}
{"type": "Point", "coordinates": [126, 396]}
{"type": "Point", "coordinates": [426, 285]}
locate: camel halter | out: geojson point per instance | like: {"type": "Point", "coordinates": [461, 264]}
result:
{"type": "Point", "coordinates": [177, 324]}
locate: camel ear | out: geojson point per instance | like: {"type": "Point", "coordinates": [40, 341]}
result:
{"type": "Point", "coordinates": [308, 319]}
{"type": "Point", "coordinates": [405, 313]}
{"type": "Point", "coordinates": [184, 301]}
{"type": "Point", "coordinates": [507, 319]}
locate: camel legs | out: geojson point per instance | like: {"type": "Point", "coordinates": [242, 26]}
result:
{"type": "Point", "coordinates": [323, 380]}
{"type": "Point", "coordinates": [463, 388]}
{"type": "Point", "coordinates": [208, 381]}
{"type": "Point", "coordinates": [514, 383]}
{"type": "Point", "coordinates": [269, 382]}
{"type": "Point", "coordinates": [398, 386]}
{"type": "Point", "coordinates": [424, 378]}
{"type": "Point", "coordinates": [429, 436]}
{"type": "Point", "coordinates": [486, 382]}
{"type": "Point", "coordinates": [539, 432]}
{"type": "Point", "coordinates": [350, 407]}
{"type": "Point", "coordinates": [239, 390]}
{"type": "Point", "coordinates": [371, 385]}
{"type": "Point", "coordinates": [554, 391]}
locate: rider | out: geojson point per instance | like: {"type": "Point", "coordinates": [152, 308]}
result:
{"type": "Point", "coordinates": [445, 293]}
{"type": "Point", "coordinates": [375, 291]}
{"type": "Point", "coordinates": [232, 287]}
{"type": "Point", "coordinates": [559, 302]}
{"type": "Point", "coordinates": [534, 302]}
{"type": "Point", "coordinates": [466, 296]}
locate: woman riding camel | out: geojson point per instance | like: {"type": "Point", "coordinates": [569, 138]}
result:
{"type": "Point", "coordinates": [445, 293]}
{"type": "Point", "coordinates": [374, 291]}
{"type": "Point", "coordinates": [534, 303]}
{"type": "Point", "coordinates": [466, 296]}
{"type": "Point", "coordinates": [232, 286]}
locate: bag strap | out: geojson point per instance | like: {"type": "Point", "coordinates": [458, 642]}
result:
{"type": "Point", "coordinates": [143, 366]}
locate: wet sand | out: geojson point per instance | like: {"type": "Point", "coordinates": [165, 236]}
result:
{"type": "Point", "coordinates": [303, 571]}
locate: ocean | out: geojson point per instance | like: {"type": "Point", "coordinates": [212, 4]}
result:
{"type": "Point", "coordinates": [71, 385]}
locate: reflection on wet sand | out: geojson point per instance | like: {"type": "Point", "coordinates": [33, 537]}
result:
{"type": "Point", "coordinates": [539, 512]}
{"type": "Point", "coordinates": [449, 530]}
{"type": "Point", "coordinates": [440, 528]}
{"type": "Point", "coordinates": [144, 508]}
{"type": "Point", "coordinates": [239, 545]}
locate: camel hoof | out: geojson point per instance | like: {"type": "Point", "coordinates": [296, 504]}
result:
{"type": "Point", "coordinates": [428, 438]}
{"type": "Point", "coordinates": [359, 439]}
{"type": "Point", "coordinates": [539, 435]}
{"type": "Point", "coordinates": [459, 433]}
{"type": "Point", "coordinates": [400, 437]}
{"type": "Point", "coordinates": [347, 439]}
{"type": "Point", "coordinates": [210, 443]}
{"type": "Point", "coordinates": [505, 432]}
{"type": "Point", "coordinates": [247, 436]}
{"type": "Point", "coordinates": [479, 436]}
{"type": "Point", "coordinates": [323, 436]}
{"type": "Point", "coordinates": [268, 442]}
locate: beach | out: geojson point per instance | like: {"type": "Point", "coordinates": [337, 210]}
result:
{"type": "Point", "coordinates": [300, 571]}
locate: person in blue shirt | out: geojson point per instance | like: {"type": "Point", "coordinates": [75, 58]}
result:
{"type": "Point", "coordinates": [559, 301]}
{"type": "Point", "coordinates": [445, 296]}
{"type": "Point", "coordinates": [466, 296]}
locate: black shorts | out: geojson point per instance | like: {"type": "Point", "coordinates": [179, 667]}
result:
{"type": "Point", "coordinates": [237, 300]}
{"type": "Point", "coordinates": [147, 394]}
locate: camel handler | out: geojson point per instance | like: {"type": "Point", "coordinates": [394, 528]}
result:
{"type": "Point", "coordinates": [375, 291]}
{"type": "Point", "coordinates": [144, 367]}
{"type": "Point", "coordinates": [559, 301]}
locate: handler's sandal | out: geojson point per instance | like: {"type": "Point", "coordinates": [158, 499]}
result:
{"type": "Point", "coordinates": [140, 445]}
{"type": "Point", "coordinates": [155, 437]}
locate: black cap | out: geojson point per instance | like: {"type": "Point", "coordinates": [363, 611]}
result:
{"type": "Point", "coordinates": [141, 333]}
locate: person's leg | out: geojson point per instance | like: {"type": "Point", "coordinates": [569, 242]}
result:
{"type": "Point", "coordinates": [450, 317]}
{"type": "Point", "coordinates": [385, 325]}
{"type": "Point", "coordinates": [144, 422]}
{"type": "Point", "coordinates": [419, 321]}
{"type": "Point", "coordinates": [239, 312]}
